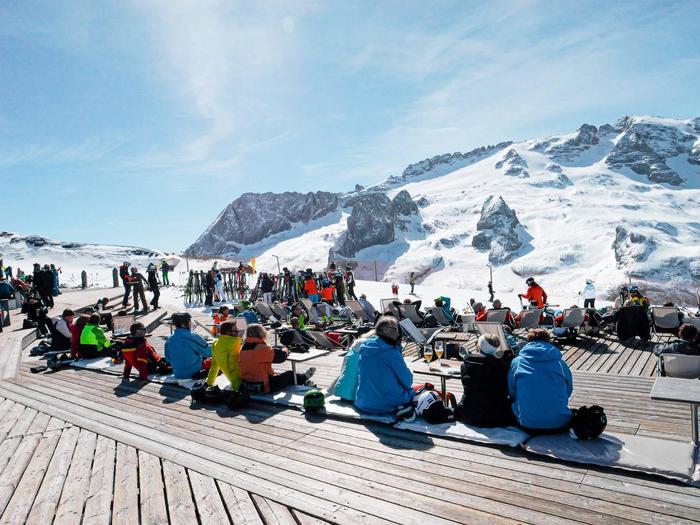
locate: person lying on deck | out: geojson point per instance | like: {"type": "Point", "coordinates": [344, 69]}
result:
{"type": "Point", "coordinates": [138, 353]}
{"type": "Point", "coordinates": [92, 339]}
{"type": "Point", "coordinates": [256, 358]}
{"type": "Point", "coordinates": [687, 343]}
{"type": "Point", "coordinates": [185, 350]}
{"type": "Point", "coordinates": [485, 402]}
{"type": "Point", "coordinates": [539, 385]}
{"type": "Point", "coordinates": [225, 355]}
{"type": "Point", "coordinates": [384, 382]}
{"type": "Point", "coordinates": [300, 316]}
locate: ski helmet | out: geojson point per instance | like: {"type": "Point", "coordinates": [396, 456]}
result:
{"type": "Point", "coordinates": [589, 281]}
{"type": "Point", "coordinates": [530, 281]}
{"type": "Point", "coordinates": [589, 422]}
{"type": "Point", "coordinates": [314, 400]}
{"type": "Point", "coordinates": [634, 289]}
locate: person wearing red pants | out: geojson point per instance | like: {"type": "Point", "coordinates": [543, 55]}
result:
{"type": "Point", "coordinates": [138, 353]}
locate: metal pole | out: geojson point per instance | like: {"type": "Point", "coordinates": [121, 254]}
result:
{"type": "Point", "coordinates": [278, 264]}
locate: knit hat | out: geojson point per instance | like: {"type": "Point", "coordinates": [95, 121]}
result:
{"type": "Point", "coordinates": [488, 348]}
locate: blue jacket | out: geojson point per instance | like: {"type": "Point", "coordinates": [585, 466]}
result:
{"type": "Point", "coordinates": [346, 385]}
{"type": "Point", "coordinates": [540, 383]}
{"type": "Point", "coordinates": [185, 351]}
{"type": "Point", "coordinates": [447, 307]}
{"type": "Point", "coordinates": [384, 381]}
{"type": "Point", "coordinates": [6, 290]}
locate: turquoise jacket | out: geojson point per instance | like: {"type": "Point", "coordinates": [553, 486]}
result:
{"type": "Point", "coordinates": [185, 350]}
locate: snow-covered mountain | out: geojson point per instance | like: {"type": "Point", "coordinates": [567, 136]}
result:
{"type": "Point", "coordinates": [22, 251]}
{"type": "Point", "coordinates": [611, 203]}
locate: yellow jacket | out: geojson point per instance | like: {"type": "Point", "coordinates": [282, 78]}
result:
{"type": "Point", "coordinates": [225, 353]}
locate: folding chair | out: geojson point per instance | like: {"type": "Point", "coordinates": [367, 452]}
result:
{"type": "Point", "coordinates": [279, 311]}
{"type": "Point", "coordinates": [497, 316]}
{"type": "Point", "coordinates": [665, 319]}
{"type": "Point", "coordinates": [439, 315]}
{"type": "Point", "coordinates": [307, 304]}
{"type": "Point", "coordinates": [530, 319]}
{"type": "Point", "coordinates": [486, 327]}
{"type": "Point", "coordinates": [679, 365]}
{"type": "Point", "coordinates": [468, 322]}
{"type": "Point", "coordinates": [573, 317]}
{"type": "Point", "coordinates": [322, 340]}
{"type": "Point", "coordinates": [265, 311]}
{"type": "Point", "coordinates": [357, 310]}
{"type": "Point", "coordinates": [408, 311]}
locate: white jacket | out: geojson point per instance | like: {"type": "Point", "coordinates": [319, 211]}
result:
{"type": "Point", "coordinates": [589, 291]}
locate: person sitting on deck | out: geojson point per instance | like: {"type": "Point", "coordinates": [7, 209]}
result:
{"type": "Point", "coordinates": [446, 304]}
{"type": "Point", "coordinates": [687, 343]}
{"type": "Point", "coordinates": [76, 330]}
{"type": "Point", "coordinates": [539, 385]}
{"type": "Point", "coordinates": [220, 317]}
{"type": "Point", "coordinates": [480, 311]}
{"type": "Point", "coordinates": [630, 321]}
{"type": "Point", "coordinates": [497, 305]}
{"type": "Point", "coordinates": [300, 316]}
{"type": "Point", "coordinates": [256, 360]}
{"type": "Point", "coordinates": [485, 402]}
{"type": "Point", "coordinates": [369, 309]}
{"type": "Point", "coordinates": [60, 331]}
{"type": "Point", "coordinates": [638, 299]}
{"type": "Point", "coordinates": [225, 355]}
{"type": "Point", "coordinates": [92, 339]}
{"type": "Point", "coordinates": [185, 350]}
{"type": "Point", "coordinates": [534, 293]}
{"type": "Point", "coordinates": [138, 353]}
{"type": "Point", "coordinates": [384, 382]}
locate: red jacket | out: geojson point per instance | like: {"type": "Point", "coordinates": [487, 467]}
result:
{"type": "Point", "coordinates": [138, 352]}
{"type": "Point", "coordinates": [536, 293]}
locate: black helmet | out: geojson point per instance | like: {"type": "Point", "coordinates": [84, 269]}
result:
{"type": "Point", "coordinates": [181, 319]}
{"type": "Point", "coordinates": [589, 422]}
{"type": "Point", "coordinates": [530, 281]}
{"type": "Point", "coordinates": [634, 289]}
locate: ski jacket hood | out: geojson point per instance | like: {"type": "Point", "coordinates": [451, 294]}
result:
{"type": "Point", "coordinates": [384, 381]}
{"type": "Point", "coordinates": [539, 385]}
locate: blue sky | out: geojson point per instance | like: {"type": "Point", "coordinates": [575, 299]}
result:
{"type": "Point", "coordinates": [136, 122]}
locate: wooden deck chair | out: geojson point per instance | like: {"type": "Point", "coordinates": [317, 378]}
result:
{"type": "Point", "coordinates": [408, 311]}
{"type": "Point", "coordinates": [496, 316]}
{"type": "Point", "coordinates": [423, 337]}
{"type": "Point", "coordinates": [530, 319]}
{"type": "Point", "coordinates": [665, 319]}
{"type": "Point", "coordinates": [679, 365]}
{"type": "Point", "coordinates": [357, 310]}
{"type": "Point", "coordinates": [388, 305]}
{"type": "Point", "coordinates": [279, 311]}
{"type": "Point", "coordinates": [322, 340]}
{"type": "Point", "coordinates": [486, 327]}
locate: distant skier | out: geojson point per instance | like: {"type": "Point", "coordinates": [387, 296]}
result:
{"type": "Point", "coordinates": [412, 282]}
{"type": "Point", "coordinates": [534, 293]}
{"type": "Point", "coordinates": [165, 269]}
{"type": "Point", "coordinates": [138, 281]}
{"type": "Point", "coordinates": [266, 286]}
{"type": "Point", "coordinates": [589, 293]}
{"type": "Point", "coordinates": [340, 287]}
{"type": "Point", "coordinates": [126, 281]}
{"type": "Point", "coordinates": [55, 271]}
{"type": "Point", "coordinates": [350, 280]}
{"type": "Point", "coordinates": [395, 290]}
{"type": "Point", "coordinates": [153, 285]}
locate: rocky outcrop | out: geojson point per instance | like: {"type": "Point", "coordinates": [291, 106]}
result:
{"type": "Point", "coordinates": [631, 247]}
{"type": "Point", "coordinates": [497, 231]}
{"type": "Point", "coordinates": [694, 155]}
{"type": "Point", "coordinates": [254, 217]}
{"type": "Point", "coordinates": [585, 138]}
{"type": "Point", "coordinates": [370, 223]}
{"type": "Point", "coordinates": [375, 220]}
{"type": "Point", "coordinates": [514, 164]}
{"type": "Point", "coordinates": [645, 147]}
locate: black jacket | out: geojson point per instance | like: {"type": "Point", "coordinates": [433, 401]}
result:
{"type": "Point", "coordinates": [679, 346]}
{"type": "Point", "coordinates": [485, 402]}
{"type": "Point", "coordinates": [631, 321]}
{"type": "Point", "coordinates": [266, 285]}
{"type": "Point", "coordinates": [152, 280]}
{"type": "Point", "coordinates": [44, 282]}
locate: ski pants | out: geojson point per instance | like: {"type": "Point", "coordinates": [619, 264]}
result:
{"type": "Point", "coordinates": [156, 295]}
{"type": "Point", "coordinates": [351, 292]}
{"type": "Point", "coordinates": [166, 280]}
{"type": "Point", "coordinates": [279, 381]}
{"type": "Point", "coordinates": [268, 297]}
{"type": "Point", "coordinates": [589, 303]}
{"type": "Point", "coordinates": [139, 293]}
{"type": "Point", "coordinates": [127, 293]}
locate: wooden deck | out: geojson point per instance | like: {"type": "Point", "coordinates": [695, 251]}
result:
{"type": "Point", "coordinates": [78, 446]}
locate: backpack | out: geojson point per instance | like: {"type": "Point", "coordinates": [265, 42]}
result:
{"type": "Point", "coordinates": [589, 422]}
{"type": "Point", "coordinates": [429, 404]}
{"type": "Point", "coordinates": [198, 393]}
{"type": "Point", "coordinates": [430, 321]}
{"type": "Point", "coordinates": [237, 400]}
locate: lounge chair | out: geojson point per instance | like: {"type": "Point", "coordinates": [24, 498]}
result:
{"type": "Point", "coordinates": [122, 324]}
{"type": "Point", "coordinates": [573, 318]}
{"type": "Point", "coordinates": [322, 340]}
{"type": "Point", "coordinates": [265, 312]}
{"type": "Point", "coordinates": [279, 311]}
{"type": "Point", "coordinates": [497, 316]}
{"type": "Point", "coordinates": [486, 327]}
{"type": "Point", "coordinates": [679, 365]}
{"type": "Point", "coordinates": [439, 315]}
{"type": "Point", "coordinates": [665, 319]}
{"type": "Point", "coordinates": [422, 337]}
{"type": "Point", "coordinates": [530, 319]}
{"type": "Point", "coordinates": [409, 311]}
{"type": "Point", "coordinates": [387, 305]}
{"type": "Point", "coordinates": [357, 310]}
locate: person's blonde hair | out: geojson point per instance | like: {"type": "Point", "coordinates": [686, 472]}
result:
{"type": "Point", "coordinates": [256, 330]}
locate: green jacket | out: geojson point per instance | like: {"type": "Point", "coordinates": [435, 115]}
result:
{"type": "Point", "coordinates": [94, 336]}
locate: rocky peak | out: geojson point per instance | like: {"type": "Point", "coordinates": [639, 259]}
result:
{"type": "Point", "coordinates": [497, 231]}
{"type": "Point", "coordinates": [585, 138]}
{"type": "Point", "coordinates": [403, 204]}
{"type": "Point", "coordinates": [631, 247]}
{"type": "Point", "coordinates": [515, 165]}
{"type": "Point", "coordinates": [370, 223]}
{"type": "Point", "coordinates": [253, 217]}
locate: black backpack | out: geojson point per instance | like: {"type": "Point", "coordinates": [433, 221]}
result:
{"type": "Point", "coordinates": [589, 422]}
{"type": "Point", "coordinates": [237, 400]}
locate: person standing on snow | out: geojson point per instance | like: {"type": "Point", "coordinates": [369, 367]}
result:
{"type": "Point", "coordinates": [165, 268]}
{"type": "Point", "coordinates": [219, 287]}
{"type": "Point", "coordinates": [589, 294]}
{"type": "Point", "coordinates": [138, 281]}
{"type": "Point", "coordinates": [126, 281]}
{"type": "Point", "coordinates": [350, 280]}
{"type": "Point", "coordinates": [534, 293]}
{"type": "Point", "coordinates": [266, 286]}
{"type": "Point", "coordinates": [153, 284]}
{"type": "Point", "coordinates": [412, 282]}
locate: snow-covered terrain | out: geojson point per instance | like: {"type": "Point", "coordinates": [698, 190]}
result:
{"type": "Point", "coordinates": [612, 203]}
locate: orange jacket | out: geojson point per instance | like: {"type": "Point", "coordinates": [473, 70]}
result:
{"type": "Point", "coordinates": [256, 360]}
{"type": "Point", "coordinates": [310, 287]}
{"type": "Point", "coordinates": [536, 293]}
{"type": "Point", "coordinates": [327, 293]}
